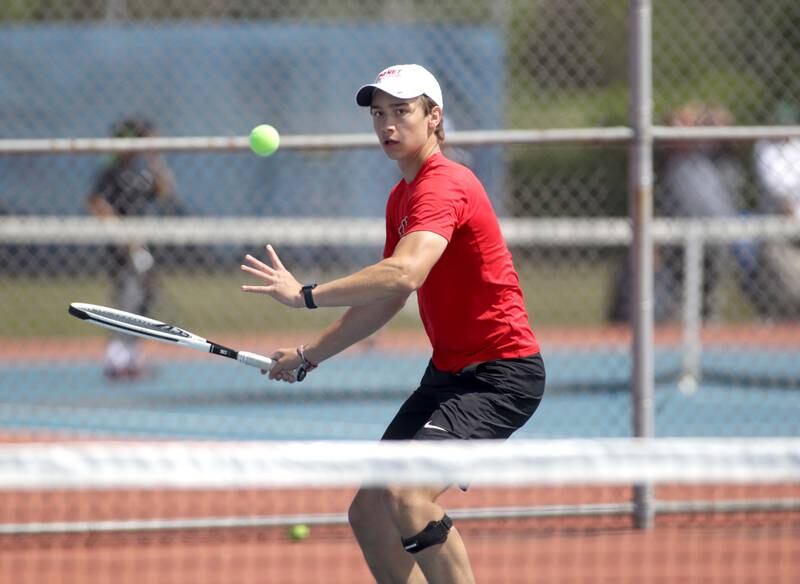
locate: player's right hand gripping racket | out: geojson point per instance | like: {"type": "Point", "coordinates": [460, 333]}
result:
{"type": "Point", "coordinates": [148, 328]}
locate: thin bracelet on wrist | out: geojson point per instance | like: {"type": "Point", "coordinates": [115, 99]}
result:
{"type": "Point", "coordinates": [307, 365]}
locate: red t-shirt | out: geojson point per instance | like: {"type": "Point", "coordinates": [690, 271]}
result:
{"type": "Point", "coordinates": [471, 303]}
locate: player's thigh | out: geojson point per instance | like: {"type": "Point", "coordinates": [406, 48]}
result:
{"type": "Point", "coordinates": [368, 510]}
{"type": "Point", "coordinates": [470, 416]}
{"type": "Point", "coordinates": [490, 401]}
{"type": "Point", "coordinates": [411, 416]}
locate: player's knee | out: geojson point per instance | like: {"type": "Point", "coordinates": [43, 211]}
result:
{"type": "Point", "coordinates": [404, 502]}
{"type": "Point", "coordinates": [435, 533]}
{"type": "Point", "coordinates": [362, 508]}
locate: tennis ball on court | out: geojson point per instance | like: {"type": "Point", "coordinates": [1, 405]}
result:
{"type": "Point", "coordinates": [299, 532]}
{"type": "Point", "coordinates": [264, 140]}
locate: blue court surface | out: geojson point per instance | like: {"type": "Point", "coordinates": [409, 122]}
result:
{"type": "Point", "coordinates": [354, 397]}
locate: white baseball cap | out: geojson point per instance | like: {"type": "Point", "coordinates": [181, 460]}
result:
{"type": "Point", "coordinates": [403, 81]}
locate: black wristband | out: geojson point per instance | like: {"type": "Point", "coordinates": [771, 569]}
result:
{"type": "Point", "coordinates": [308, 296]}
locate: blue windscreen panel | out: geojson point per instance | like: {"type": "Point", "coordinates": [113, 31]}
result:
{"type": "Point", "coordinates": [223, 79]}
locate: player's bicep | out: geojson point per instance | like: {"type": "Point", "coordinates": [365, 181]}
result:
{"type": "Point", "coordinates": [419, 251]}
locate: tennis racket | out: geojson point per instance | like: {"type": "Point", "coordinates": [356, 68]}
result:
{"type": "Point", "coordinates": [148, 328]}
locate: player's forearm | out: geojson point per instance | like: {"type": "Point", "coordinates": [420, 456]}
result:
{"type": "Point", "coordinates": [100, 207]}
{"type": "Point", "coordinates": [162, 175]}
{"type": "Point", "coordinates": [387, 279]}
{"type": "Point", "coordinates": [356, 324]}
{"type": "Point", "coordinates": [164, 184]}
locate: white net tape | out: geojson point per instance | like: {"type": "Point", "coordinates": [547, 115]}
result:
{"type": "Point", "coordinates": [273, 464]}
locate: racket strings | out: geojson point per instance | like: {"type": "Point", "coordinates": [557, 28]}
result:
{"type": "Point", "coordinates": [145, 323]}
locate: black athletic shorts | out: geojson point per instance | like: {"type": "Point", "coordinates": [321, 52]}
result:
{"type": "Point", "coordinates": [484, 401]}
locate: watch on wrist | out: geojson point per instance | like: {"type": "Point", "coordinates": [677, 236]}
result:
{"type": "Point", "coordinates": [308, 296]}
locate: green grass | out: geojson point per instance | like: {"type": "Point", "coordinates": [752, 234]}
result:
{"type": "Point", "coordinates": [34, 307]}
{"type": "Point", "coordinates": [212, 303]}
{"type": "Point", "coordinates": [576, 295]}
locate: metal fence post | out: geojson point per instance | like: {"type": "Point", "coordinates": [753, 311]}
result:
{"type": "Point", "coordinates": [641, 213]}
{"type": "Point", "coordinates": [692, 310]}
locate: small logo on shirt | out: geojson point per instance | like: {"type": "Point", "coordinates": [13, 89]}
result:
{"type": "Point", "coordinates": [402, 227]}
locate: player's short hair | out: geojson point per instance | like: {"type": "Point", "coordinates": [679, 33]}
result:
{"type": "Point", "coordinates": [428, 104]}
{"type": "Point", "coordinates": [133, 127]}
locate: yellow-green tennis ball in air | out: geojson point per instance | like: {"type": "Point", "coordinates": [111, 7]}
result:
{"type": "Point", "coordinates": [299, 532]}
{"type": "Point", "coordinates": [264, 140]}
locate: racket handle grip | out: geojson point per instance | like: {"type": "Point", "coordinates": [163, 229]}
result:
{"type": "Point", "coordinates": [255, 360]}
{"type": "Point", "coordinates": [265, 363]}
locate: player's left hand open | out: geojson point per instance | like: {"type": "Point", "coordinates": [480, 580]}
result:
{"type": "Point", "coordinates": [278, 282]}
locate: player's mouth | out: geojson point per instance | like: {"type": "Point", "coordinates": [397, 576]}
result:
{"type": "Point", "coordinates": [388, 142]}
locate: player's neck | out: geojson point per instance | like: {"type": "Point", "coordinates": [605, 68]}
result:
{"type": "Point", "coordinates": [410, 166]}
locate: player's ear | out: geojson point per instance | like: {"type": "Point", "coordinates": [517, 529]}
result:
{"type": "Point", "coordinates": [435, 117]}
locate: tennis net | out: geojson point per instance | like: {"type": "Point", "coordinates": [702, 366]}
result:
{"type": "Point", "coordinates": [726, 510]}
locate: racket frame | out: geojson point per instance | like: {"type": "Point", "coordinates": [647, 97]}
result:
{"type": "Point", "coordinates": [145, 327]}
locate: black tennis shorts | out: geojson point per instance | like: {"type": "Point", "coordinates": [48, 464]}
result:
{"type": "Point", "coordinates": [488, 400]}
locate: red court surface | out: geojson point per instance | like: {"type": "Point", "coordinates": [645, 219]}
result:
{"type": "Point", "coordinates": [764, 336]}
{"type": "Point", "coordinates": [702, 548]}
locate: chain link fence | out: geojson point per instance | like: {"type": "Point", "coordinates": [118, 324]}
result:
{"type": "Point", "coordinates": [191, 69]}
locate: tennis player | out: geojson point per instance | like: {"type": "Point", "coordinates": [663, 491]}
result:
{"type": "Point", "coordinates": [486, 376]}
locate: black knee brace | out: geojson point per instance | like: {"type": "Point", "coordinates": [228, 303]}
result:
{"type": "Point", "coordinates": [435, 533]}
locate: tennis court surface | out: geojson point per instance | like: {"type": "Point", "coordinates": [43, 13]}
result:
{"type": "Point", "coordinates": [113, 513]}
{"type": "Point", "coordinates": [558, 511]}
{"type": "Point", "coordinates": [56, 387]}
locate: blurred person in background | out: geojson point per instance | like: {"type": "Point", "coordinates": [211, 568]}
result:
{"type": "Point", "coordinates": [131, 184]}
{"type": "Point", "coordinates": [774, 278]}
{"type": "Point", "coordinates": [700, 180]}
{"type": "Point", "coordinates": [697, 179]}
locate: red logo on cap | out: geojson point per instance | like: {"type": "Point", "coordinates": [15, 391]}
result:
{"type": "Point", "coordinates": [389, 72]}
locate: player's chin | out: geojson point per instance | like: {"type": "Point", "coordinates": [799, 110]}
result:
{"type": "Point", "coordinates": [394, 150]}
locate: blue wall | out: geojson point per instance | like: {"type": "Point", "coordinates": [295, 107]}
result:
{"type": "Point", "coordinates": [194, 80]}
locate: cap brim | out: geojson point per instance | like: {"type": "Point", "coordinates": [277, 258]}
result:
{"type": "Point", "coordinates": [364, 95]}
